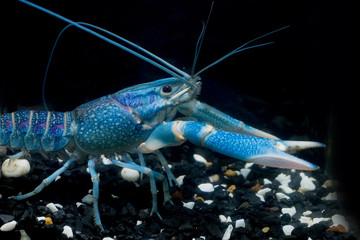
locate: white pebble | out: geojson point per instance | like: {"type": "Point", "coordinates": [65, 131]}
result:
{"type": "Point", "coordinates": [68, 232]}
{"type": "Point", "coordinates": [199, 158]}
{"type": "Point", "coordinates": [330, 197]}
{"type": "Point", "coordinates": [138, 222]}
{"type": "Point", "coordinates": [283, 179]}
{"type": "Point", "coordinates": [222, 218]}
{"type": "Point", "coordinates": [248, 165]}
{"type": "Point", "coordinates": [286, 189]}
{"type": "Point", "coordinates": [261, 193]}
{"type": "Point", "coordinates": [52, 207]}
{"type": "Point", "coordinates": [228, 232]}
{"type": "Point", "coordinates": [311, 221]}
{"type": "Point", "coordinates": [287, 229]}
{"type": "Point", "coordinates": [40, 219]}
{"type": "Point", "coordinates": [105, 160]}
{"type": "Point", "coordinates": [15, 167]}
{"type": "Point", "coordinates": [87, 199]}
{"type": "Point", "coordinates": [245, 172]}
{"type": "Point", "coordinates": [291, 211]}
{"type": "Point", "coordinates": [307, 213]}
{"type": "Point", "coordinates": [180, 179]}
{"type": "Point", "coordinates": [306, 220]}
{"type": "Point", "coordinates": [107, 238]}
{"type": "Point", "coordinates": [78, 204]}
{"type": "Point", "coordinates": [267, 181]}
{"type": "Point", "coordinates": [206, 187]}
{"type": "Point", "coordinates": [208, 202]}
{"type": "Point", "coordinates": [8, 226]}
{"type": "Point", "coordinates": [130, 175]}
{"type": "Point", "coordinates": [23, 235]}
{"type": "Point", "coordinates": [189, 205]}
{"type": "Point", "coordinates": [280, 196]}
{"type": "Point", "coordinates": [240, 223]}
{"type": "Point", "coordinates": [306, 183]}
{"type": "Point", "coordinates": [339, 219]}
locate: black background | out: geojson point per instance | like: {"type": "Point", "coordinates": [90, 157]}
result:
{"type": "Point", "coordinates": [306, 77]}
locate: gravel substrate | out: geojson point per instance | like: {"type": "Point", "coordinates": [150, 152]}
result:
{"type": "Point", "coordinates": [219, 198]}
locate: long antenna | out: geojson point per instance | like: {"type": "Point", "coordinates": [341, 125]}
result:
{"type": "Point", "coordinates": [200, 41]}
{"type": "Point", "coordinates": [241, 48]}
{"type": "Point", "coordinates": [177, 74]}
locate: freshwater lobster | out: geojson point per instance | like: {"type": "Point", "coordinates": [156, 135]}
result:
{"type": "Point", "coordinates": [141, 119]}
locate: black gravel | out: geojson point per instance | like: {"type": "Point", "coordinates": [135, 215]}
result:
{"type": "Point", "coordinates": [123, 206]}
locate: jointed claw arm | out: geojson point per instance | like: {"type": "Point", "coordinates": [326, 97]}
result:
{"type": "Point", "coordinates": [268, 152]}
{"type": "Point", "coordinates": [208, 114]}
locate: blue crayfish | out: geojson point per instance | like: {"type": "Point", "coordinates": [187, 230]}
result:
{"type": "Point", "coordinates": [141, 119]}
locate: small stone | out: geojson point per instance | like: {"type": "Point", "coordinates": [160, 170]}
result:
{"type": "Point", "coordinates": [330, 197]}
{"type": "Point", "coordinates": [283, 179]}
{"type": "Point", "coordinates": [78, 204]}
{"type": "Point", "coordinates": [8, 226]}
{"type": "Point", "coordinates": [338, 228]}
{"type": "Point", "coordinates": [267, 181]}
{"type": "Point", "coordinates": [214, 178]}
{"type": "Point", "coordinates": [231, 189]}
{"type": "Point", "coordinates": [200, 198]}
{"type": "Point", "coordinates": [130, 175]}
{"type": "Point", "coordinates": [286, 189]}
{"type": "Point", "coordinates": [6, 218]}
{"type": "Point", "coordinates": [180, 179]}
{"type": "Point", "coordinates": [287, 229]}
{"type": "Point", "coordinates": [228, 232]}
{"type": "Point", "coordinates": [307, 213]}
{"type": "Point", "coordinates": [206, 187]}
{"type": "Point", "coordinates": [222, 218]}
{"type": "Point", "coordinates": [265, 229]}
{"type": "Point", "coordinates": [291, 211]}
{"type": "Point", "coordinates": [240, 223]}
{"type": "Point", "coordinates": [177, 195]}
{"type": "Point", "coordinates": [256, 187]}
{"type": "Point", "coordinates": [23, 235]}
{"type": "Point", "coordinates": [306, 183]}
{"type": "Point", "coordinates": [189, 205]}
{"type": "Point", "coordinates": [199, 158]}
{"type": "Point", "coordinates": [68, 232]}
{"type": "Point", "coordinates": [245, 172]}
{"type": "Point", "coordinates": [87, 199]}
{"type": "Point", "coordinates": [280, 196]}
{"type": "Point", "coordinates": [52, 207]}
{"type": "Point", "coordinates": [248, 165]}
{"type": "Point", "coordinates": [48, 221]}
{"type": "Point", "coordinates": [40, 219]}
{"type": "Point", "coordinates": [340, 220]}
{"type": "Point", "coordinates": [230, 173]}
{"type": "Point", "coordinates": [15, 168]}
{"type": "Point", "coordinates": [208, 164]}
{"type": "Point", "coordinates": [261, 193]}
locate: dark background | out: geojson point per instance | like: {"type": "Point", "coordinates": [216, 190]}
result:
{"type": "Point", "coordinates": [301, 87]}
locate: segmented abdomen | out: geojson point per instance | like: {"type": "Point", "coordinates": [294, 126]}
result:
{"type": "Point", "coordinates": [35, 129]}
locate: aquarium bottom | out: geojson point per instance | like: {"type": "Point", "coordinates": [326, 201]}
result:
{"type": "Point", "coordinates": [219, 198]}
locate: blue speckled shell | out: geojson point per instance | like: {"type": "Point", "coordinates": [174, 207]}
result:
{"type": "Point", "coordinates": [104, 125]}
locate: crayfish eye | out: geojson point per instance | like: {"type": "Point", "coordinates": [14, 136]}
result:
{"type": "Point", "coordinates": [166, 90]}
